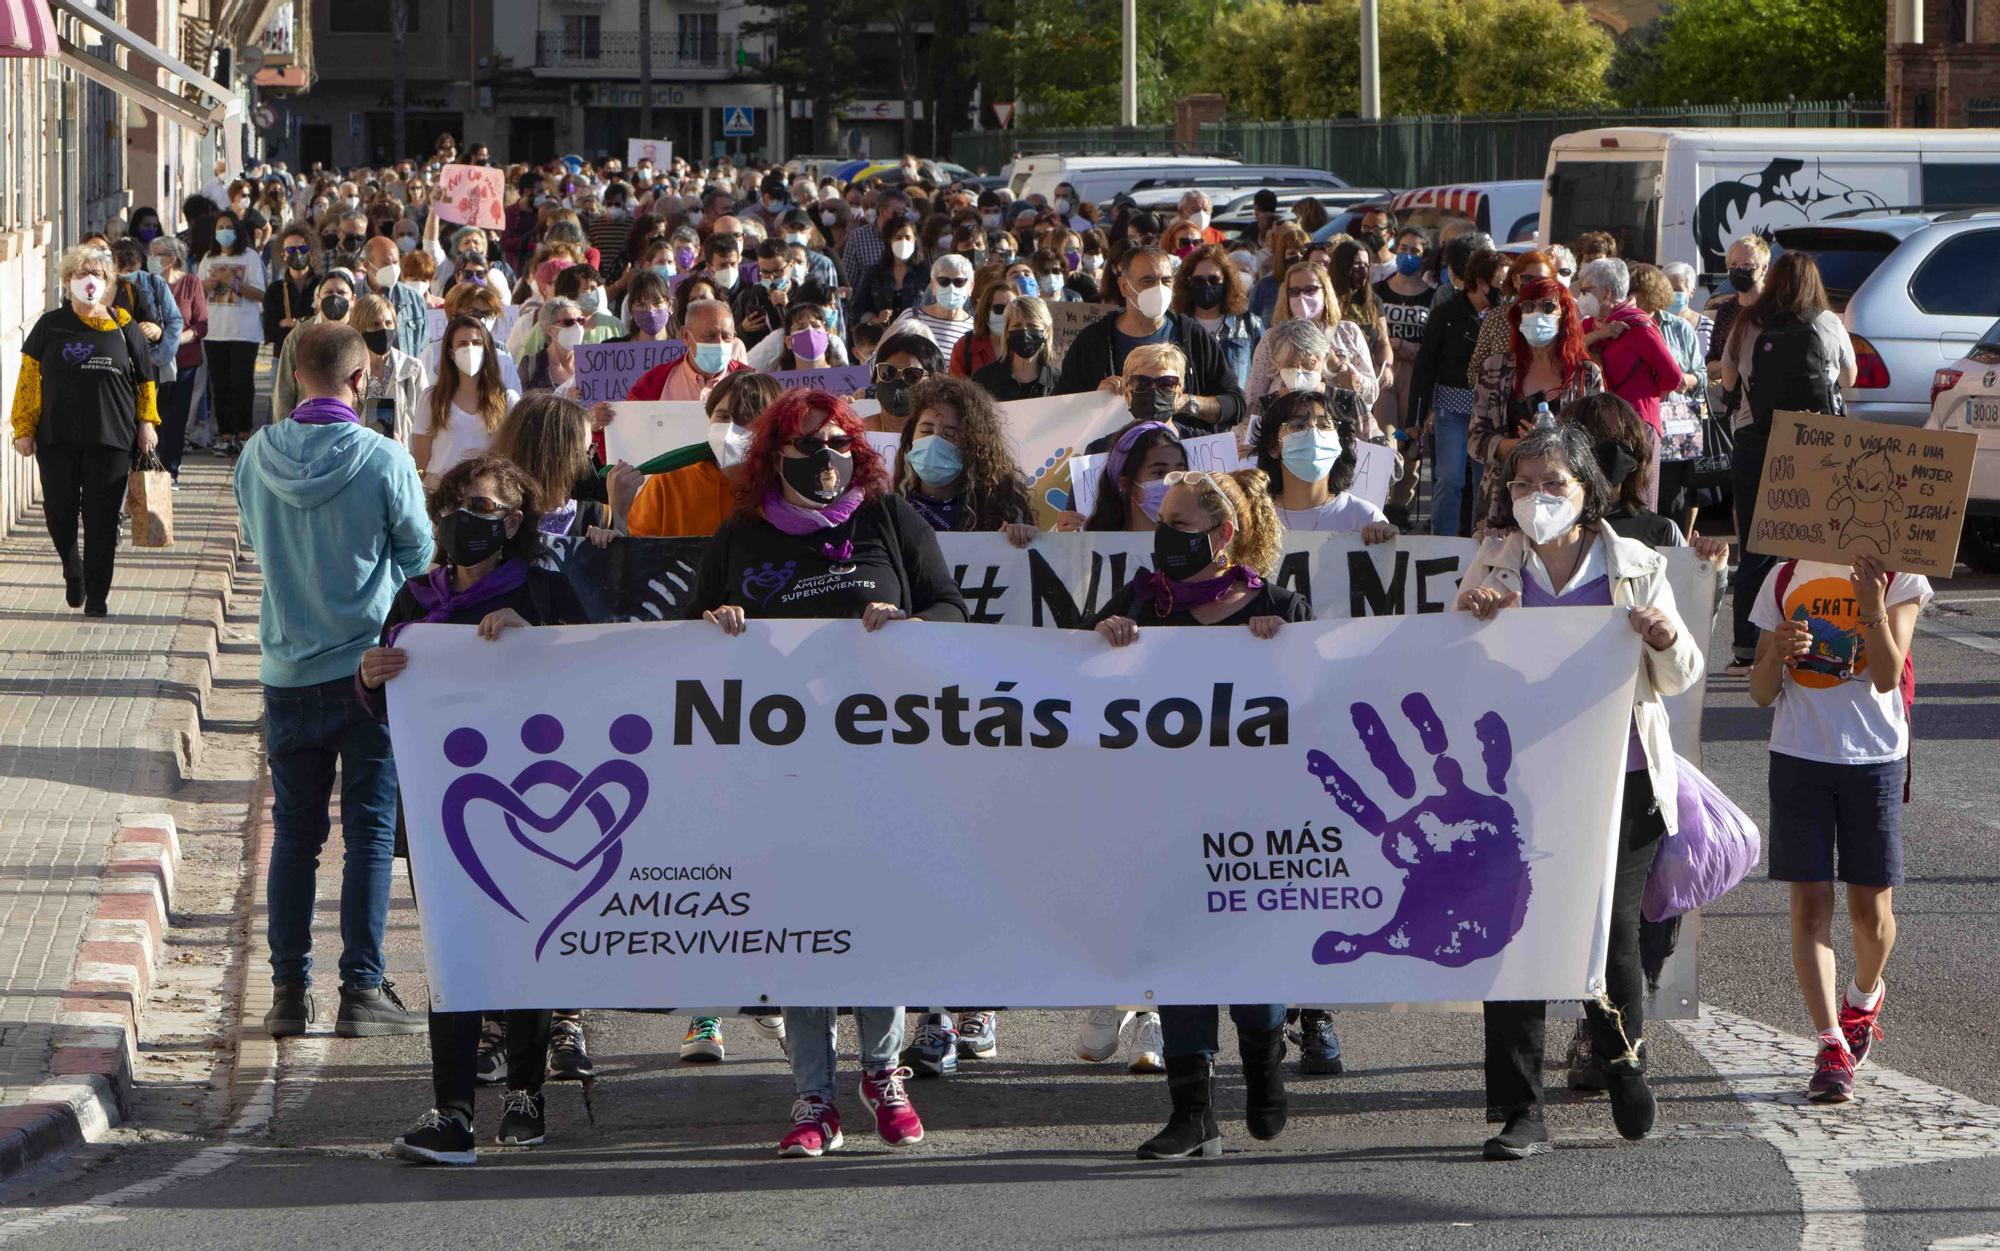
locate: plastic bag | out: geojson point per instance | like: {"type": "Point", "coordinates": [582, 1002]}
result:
{"type": "Point", "coordinates": [149, 499]}
{"type": "Point", "coordinates": [1715, 848]}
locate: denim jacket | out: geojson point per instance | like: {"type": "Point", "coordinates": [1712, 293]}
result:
{"type": "Point", "coordinates": [1238, 337]}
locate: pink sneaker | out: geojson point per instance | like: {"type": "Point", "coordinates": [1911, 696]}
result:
{"type": "Point", "coordinates": [895, 1119]}
{"type": "Point", "coordinates": [815, 1128]}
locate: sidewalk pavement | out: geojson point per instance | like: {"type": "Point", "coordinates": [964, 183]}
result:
{"type": "Point", "coordinates": [100, 722]}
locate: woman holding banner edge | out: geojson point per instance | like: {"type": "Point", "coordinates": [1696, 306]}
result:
{"type": "Point", "coordinates": [1217, 540]}
{"type": "Point", "coordinates": [815, 495]}
{"type": "Point", "coordinates": [1555, 550]}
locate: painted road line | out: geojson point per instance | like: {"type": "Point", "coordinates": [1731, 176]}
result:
{"type": "Point", "coordinates": [1971, 638]}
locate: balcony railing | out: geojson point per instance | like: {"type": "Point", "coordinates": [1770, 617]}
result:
{"type": "Point", "coordinates": [619, 51]}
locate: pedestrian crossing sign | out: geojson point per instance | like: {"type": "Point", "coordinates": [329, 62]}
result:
{"type": "Point", "coordinates": [736, 122]}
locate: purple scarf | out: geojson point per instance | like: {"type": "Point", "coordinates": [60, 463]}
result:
{"type": "Point", "coordinates": [325, 411]}
{"type": "Point", "coordinates": [440, 603]}
{"type": "Point", "coordinates": [799, 522]}
{"type": "Point", "coordinates": [1170, 596]}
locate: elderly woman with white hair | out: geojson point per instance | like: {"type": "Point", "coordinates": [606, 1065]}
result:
{"type": "Point", "coordinates": [84, 404]}
{"type": "Point", "coordinates": [945, 314]}
{"type": "Point", "coordinates": [563, 324]}
{"type": "Point", "coordinates": [1639, 366]}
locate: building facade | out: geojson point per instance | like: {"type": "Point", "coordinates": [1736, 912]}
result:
{"type": "Point", "coordinates": [1944, 55]}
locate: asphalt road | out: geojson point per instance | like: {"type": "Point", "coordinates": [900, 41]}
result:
{"type": "Point", "coordinates": [1034, 1148]}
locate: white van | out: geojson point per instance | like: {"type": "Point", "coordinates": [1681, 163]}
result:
{"type": "Point", "coordinates": [1685, 195]}
{"type": "Point", "coordinates": [1099, 178]}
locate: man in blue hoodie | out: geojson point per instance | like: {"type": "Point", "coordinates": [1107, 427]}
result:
{"type": "Point", "coordinates": [336, 513]}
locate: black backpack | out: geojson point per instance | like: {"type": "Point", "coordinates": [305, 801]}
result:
{"type": "Point", "coordinates": [1789, 372]}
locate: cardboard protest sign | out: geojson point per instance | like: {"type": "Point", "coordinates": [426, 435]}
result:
{"type": "Point", "coordinates": [659, 151]}
{"type": "Point", "coordinates": [1068, 317]}
{"type": "Point", "coordinates": [471, 195]}
{"type": "Point", "coordinates": [1047, 431]}
{"type": "Point", "coordinates": [1834, 487]}
{"type": "Point", "coordinates": [837, 380]}
{"type": "Point", "coordinates": [641, 430]}
{"type": "Point", "coordinates": [606, 371]}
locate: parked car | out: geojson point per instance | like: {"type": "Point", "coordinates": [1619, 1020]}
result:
{"type": "Point", "coordinates": [1917, 289]}
{"type": "Point", "coordinates": [1099, 178]}
{"type": "Point", "coordinates": [1965, 395]}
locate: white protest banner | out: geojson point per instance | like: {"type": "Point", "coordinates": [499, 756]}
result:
{"type": "Point", "coordinates": [1374, 472]}
{"type": "Point", "coordinates": [1416, 810]}
{"type": "Point", "coordinates": [606, 371]}
{"type": "Point", "coordinates": [435, 321]}
{"type": "Point", "coordinates": [886, 445]}
{"type": "Point", "coordinates": [1046, 432]}
{"type": "Point", "coordinates": [643, 429]}
{"type": "Point", "coordinates": [472, 195]}
{"type": "Point", "coordinates": [659, 151]}
{"type": "Point", "coordinates": [1086, 474]}
{"type": "Point", "coordinates": [837, 380]}
{"type": "Point", "coordinates": [1215, 453]}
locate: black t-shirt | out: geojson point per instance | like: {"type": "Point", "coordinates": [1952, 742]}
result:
{"type": "Point", "coordinates": [90, 380]}
{"type": "Point", "coordinates": [998, 379]}
{"type": "Point", "coordinates": [895, 560]}
{"type": "Point", "coordinates": [1405, 315]}
{"type": "Point", "coordinates": [1136, 601]}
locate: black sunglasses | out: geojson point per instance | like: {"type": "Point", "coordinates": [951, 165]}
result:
{"type": "Point", "coordinates": [807, 445]}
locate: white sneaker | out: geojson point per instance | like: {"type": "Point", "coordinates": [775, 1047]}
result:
{"type": "Point", "coordinates": [1097, 1038]}
{"type": "Point", "coordinates": [769, 1028]}
{"type": "Point", "coordinates": [1148, 1045]}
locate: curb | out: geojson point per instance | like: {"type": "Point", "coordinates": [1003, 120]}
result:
{"type": "Point", "coordinates": [173, 732]}
{"type": "Point", "coordinates": [97, 1025]}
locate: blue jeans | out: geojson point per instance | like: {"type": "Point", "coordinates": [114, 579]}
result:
{"type": "Point", "coordinates": [1191, 1029]}
{"type": "Point", "coordinates": [309, 729]}
{"type": "Point", "coordinates": [1454, 481]}
{"type": "Point", "coordinates": [809, 1034]}
{"type": "Point", "coordinates": [175, 399]}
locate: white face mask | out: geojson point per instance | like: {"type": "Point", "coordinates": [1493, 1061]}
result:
{"type": "Point", "coordinates": [569, 337]}
{"type": "Point", "coordinates": [156, 265]}
{"type": "Point", "coordinates": [1152, 302]}
{"type": "Point", "coordinates": [469, 358]}
{"type": "Point", "coordinates": [87, 290]}
{"type": "Point", "coordinates": [386, 276]}
{"type": "Point", "coordinates": [1198, 219]}
{"type": "Point", "coordinates": [902, 249]}
{"type": "Point", "coordinates": [725, 278]}
{"type": "Point", "coordinates": [730, 443]}
{"type": "Point", "coordinates": [492, 324]}
{"type": "Point", "coordinates": [1544, 518]}
{"type": "Point", "coordinates": [1301, 379]}
{"type": "Point", "coordinates": [1587, 305]}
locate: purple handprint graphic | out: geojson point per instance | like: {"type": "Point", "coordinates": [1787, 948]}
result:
{"type": "Point", "coordinates": [1466, 887]}
{"type": "Point", "coordinates": [542, 734]}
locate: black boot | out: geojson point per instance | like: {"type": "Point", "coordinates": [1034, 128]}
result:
{"type": "Point", "coordinates": [1524, 1135]}
{"type": "Point", "coordinates": [1633, 1108]}
{"type": "Point", "coordinates": [292, 1011]}
{"type": "Point", "coordinates": [1263, 1081]}
{"type": "Point", "coordinates": [1190, 1131]}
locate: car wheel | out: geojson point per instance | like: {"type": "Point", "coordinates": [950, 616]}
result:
{"type": "Point", "coordinates": [1979, 545]}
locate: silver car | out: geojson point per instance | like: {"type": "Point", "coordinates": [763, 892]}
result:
{"type": "Point", "coordinates": [1965, 395]}
{"type": "Point", "coordinates": [1917, 290]}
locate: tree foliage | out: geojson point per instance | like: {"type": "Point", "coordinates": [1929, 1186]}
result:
{"type": "Point", "coordinates": [1058, 60]}
{"type": "Point", "coordinates": [1278, 60]}
{"type": "Point", "coordinates": [1714, 51]}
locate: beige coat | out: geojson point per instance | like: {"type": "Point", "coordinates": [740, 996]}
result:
{"type": "Point", "coordinates": [1638, 580]}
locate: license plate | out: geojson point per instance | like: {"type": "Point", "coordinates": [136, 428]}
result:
{"type": "Point", "coordinates": [1983, 410]}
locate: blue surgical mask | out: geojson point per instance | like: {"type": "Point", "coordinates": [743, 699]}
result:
{"type": "Point", "coordinates": [1539, 329]}
{"type": "Point", "coordinates": [952, 298]}
{"type": "Point", "coordinates": [665, 271]}
{"type": "Point", "coordinates": [1408, 263]}
{"type": "Point", "coordinates": [226, 237]}
{"type": "Point", "coordinates": [1679, 303]}
{"type": "Point", "coordinates": [934, 459]}
{"type": "Point", "coordinates": [1025, 285]}
{"type": "Point", "coordinates": [711, 358]}
{"type": "Point", "coordinates": [1310, 454]}
{"type": "Point", "coordinates": [1151, 496]}
{"type": "Point", "coordinates": [1051, 285]}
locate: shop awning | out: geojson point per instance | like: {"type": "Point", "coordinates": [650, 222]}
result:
{"type": "Point", "coordinates": [137, 80]}
{"type": "Point", "coordinates": [26, 29]}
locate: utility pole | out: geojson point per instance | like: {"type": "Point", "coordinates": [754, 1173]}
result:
{"type": "Point", "coordinates": [1128, 88]}
{"type": "Point", "coordinates": [399, 26]}
{"type": "Point", "coordinates": [646, 69]}
{"type": "Point", "coordinates": [1371, 61]}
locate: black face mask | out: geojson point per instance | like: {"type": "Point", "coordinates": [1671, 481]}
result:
{"type": "Point", "coordinates": [1026, 343]}
{"type": "Point", "coordinates": [1743, 279]}
{"type": "Point", "coordinates": [300, 263]}
{"type": "Point", "coordinates": [895, 398]}
{"type": "Point", "coordinates": [377, 340]}
{"type": "Point", "coordinates": [334, 308]}
{"type": "Point", "coordinates": [467, 538]}
{"type": "Point", "coordinates": [1617, 463]}
{"type": "Point", "coordinates": [1207, 292]}
{"type": "Point", "coordinates": [977, 256]}
{"type": "Point", "coordinates": [1181, 555]}
{"type": "Point", "coordinates": [802, 473]}
{"type": "Point", "coordinates": [1153, 405]}
{"type": "Point", "coordinates": [1374, 242]}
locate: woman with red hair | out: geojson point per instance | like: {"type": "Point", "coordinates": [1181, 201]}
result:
{"type": "Point", "coordinates": [817, 535]}
{"type": "Point", "coordinates": [1544, 362]}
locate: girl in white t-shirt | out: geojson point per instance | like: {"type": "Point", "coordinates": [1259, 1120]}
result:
{"type": "Point", "coordinates": [1305, 445]}
{"type": "Point", "coordinates": [1832, 658]}
{"type": "Point", "coordinates": [460, 413]}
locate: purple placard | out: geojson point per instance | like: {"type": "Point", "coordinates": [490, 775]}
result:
{"type": "Point", "coordinates": [606, 371]}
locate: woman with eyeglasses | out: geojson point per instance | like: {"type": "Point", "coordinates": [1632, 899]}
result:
{"type": "Point", "coordinates": [1025, 372]}
{"type": "Point", "coordinates": [1545, 363]}
{"type": "Point", "coordinates": [1217, 542]}
{"type": "Point", "coordinates": [488, 538]}
{"type": "Point", "coordinates": [462, 411]}
{"type": "Point", "coordinates": [986, 341]}
{"type": "Point", "coordinates": [1306, 447]}
{"type": "Point", "coordinates": [396, 382]}
{"type": "Point", "coordinates": [564, 325]}
{"type": "Point", "coordinates": [1288, 247]}
{"type": "Point", "coordinates": [904, 358]}
{"type": "Point", "coordinates": [1308, 296]}
{"type": "Point", "coordinates": [815, 500]}
{"type": "Point", "coordinates": [289, 301]}
{"type": "Point", "coordinates": [1494, 332]}
{"type": "Point", "coordinates": [1554, 549]}
{"type": "Point", "coordinates": [945, 315]}
{"type": "Point", "coordinates": [1208, 289]}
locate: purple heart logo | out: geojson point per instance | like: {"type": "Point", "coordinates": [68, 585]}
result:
{"type": "Point", "coordinates": [761, 583]}
{"type": "Point", "coordinates": [77, 351]}
{"type": "Point", "coordinates": [543, 734]}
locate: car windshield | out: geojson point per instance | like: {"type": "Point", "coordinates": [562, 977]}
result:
{"type": "Point", "coordinates": [1845, 257]}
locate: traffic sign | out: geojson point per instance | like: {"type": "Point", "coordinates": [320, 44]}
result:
{"type": "Point", "coordinates": [1003, 112]}
{"type": "Point", "coordinates": [264, 117]}
{"type": "Point", "coordinates": [738, 122]}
